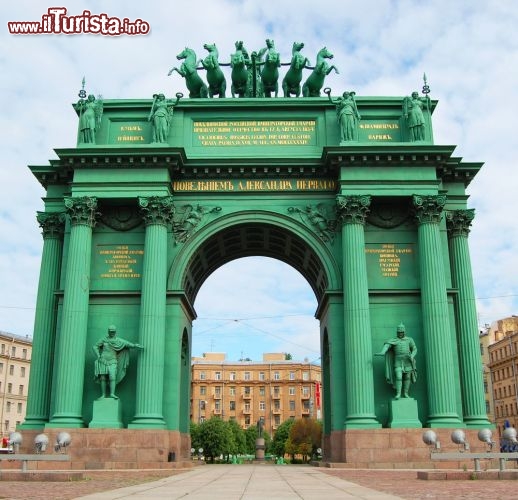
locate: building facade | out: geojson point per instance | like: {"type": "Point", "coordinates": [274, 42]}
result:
{"type": "Point", "coordinates": [503, 369]}
{"type": "Point", "coordinates": [273, 390]}
{"type": "Point", "coordinates": [15, 365]}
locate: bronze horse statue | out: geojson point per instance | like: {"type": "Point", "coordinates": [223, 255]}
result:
{"type": "Point", "coordinates": [315, 81]}
{"type": "Point", "coordinates": [293, 77]}
{"type": "Point", "coordinates": [239, 62]}
{"type": "Point", "coordinates": [215, 77]}
{"type": "Point", "coordinates": [189, 70]}
{"type": "Point", "coordinates": [270, 71]}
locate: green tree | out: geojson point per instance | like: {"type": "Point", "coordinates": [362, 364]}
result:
{"type": "Point", "coordinates": [215, 437]}
{"type": "Point", "coordinates": [238, 444]}
{"type": "Point", "coordinates": [306, 436]}
{"type": "Point", "coordinates": [195, 435]}
{"type": "Point", "coordinates": [280, 437]}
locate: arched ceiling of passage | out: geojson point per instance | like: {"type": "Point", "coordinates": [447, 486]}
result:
{"type": "Point", "coordinates": [248, 240]}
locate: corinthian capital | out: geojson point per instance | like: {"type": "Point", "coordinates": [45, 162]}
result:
{"type": "Point", "coordinates": [353, 209]}
{"type": "Point", "coordinates": [157, 210]}
{"type": "Point", "coordinates": [82, 211]}
{"type": "Point", "coordinates": [428, 208]}
{"type": "Point", "coordinates": [51, 223]}
{"type": "Point", "coordinates": [458, 222]}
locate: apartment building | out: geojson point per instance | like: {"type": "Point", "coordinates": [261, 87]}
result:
{"type": "Point", "coordinates": [273, 390]}
{"type": "Point", "coordinates": [15, 365]}
{"type": "Point", "coordinates": [503, 368]}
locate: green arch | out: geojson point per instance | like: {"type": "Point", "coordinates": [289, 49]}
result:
{"type": "Point", "coordinates": [254, 233]}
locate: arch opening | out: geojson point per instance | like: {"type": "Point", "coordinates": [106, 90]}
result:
{"type": "Point", "coordinates": [254, 239]}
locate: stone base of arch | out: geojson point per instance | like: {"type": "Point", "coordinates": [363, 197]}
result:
{"type": "Point", "coordinates": [393, 449]}
{"type": "Point", "coordinates": [114, 449]}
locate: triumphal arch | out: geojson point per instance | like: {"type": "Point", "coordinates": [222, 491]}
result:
{"type": "Point", "coordinates": [159, 192]}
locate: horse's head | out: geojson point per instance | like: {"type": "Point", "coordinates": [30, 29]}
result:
{"type": "Point", "coordinates": [324, 54]}
{"type": "Point", "coordinates": [297, 46]}
{"type": "Point", "coordinates": [210, 47]}
{"type": "Point", "coordinates": [185, 53]}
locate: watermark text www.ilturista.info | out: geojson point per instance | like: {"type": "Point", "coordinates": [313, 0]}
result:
{"type": "Point", "coordinates": [56, 22]}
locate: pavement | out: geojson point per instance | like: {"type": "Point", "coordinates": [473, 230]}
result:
{"type": "Point", "coordinates": [247, 482]}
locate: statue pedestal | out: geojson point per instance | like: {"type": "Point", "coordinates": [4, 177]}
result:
{"type": "Point", "coordinates": [259, 449]}
{"type": "Point", "coordinates": [403, 414]}
{"type": "Point", "coordinates": [106, 414]}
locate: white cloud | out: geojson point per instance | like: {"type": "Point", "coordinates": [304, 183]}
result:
{"type": "Point", "coordinates": [467, 49]}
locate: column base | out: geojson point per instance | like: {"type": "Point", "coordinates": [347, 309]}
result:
{"type": "Point", "coordinates": [148, 422]}
{"type": "Point", "coordinates": [33, 423]}
{"type": "Point", "coordinates": [65, 422]}
{"type": "Point", "coordinates": [106, 414]}
{"type": "Point", "coordinates": [403, 414]}
{"type": "Point", "coordinates": [481, 422]}
{"type": "Point", "coordinates": [445, 421]}
{"type": "Point", "coordinates": [361, 422]}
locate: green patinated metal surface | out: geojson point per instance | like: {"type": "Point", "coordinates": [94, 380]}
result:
{"type": "Point", "coordinates": [136, 220]}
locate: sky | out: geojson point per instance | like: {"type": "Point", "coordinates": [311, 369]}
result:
{"type": "Point", "coordinates": [381, 47]}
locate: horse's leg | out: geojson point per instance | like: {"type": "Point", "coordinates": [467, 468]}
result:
{"type": "Point", "coordinates": [285, 88]}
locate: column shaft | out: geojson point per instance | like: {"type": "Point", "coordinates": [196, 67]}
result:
{"type": "Point", "coordinates": [436, 325]}
{"type": "Point", "coordinates": [472, 384]}
{"type": "Point", "coordinates": [38, 399]}
{"type": "Point", "coordinates": [358, 342]}
{"type": "Point", "coordinates": [150, 380]}
{"type": "Point", "coordinates": [71, 339]}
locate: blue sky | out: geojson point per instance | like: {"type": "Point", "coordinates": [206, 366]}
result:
{"type": "Point", "coordinates": [381, 47]}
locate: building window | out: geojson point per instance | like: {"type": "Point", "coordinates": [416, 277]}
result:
{"type": "Point", "coordinates": [217, 406]}
{"type": "Point", "coordinates": [262, 391]}
{"type": "Point", "coordinates": [247, 421]}
{"type": "Point", "coordinates": [232, 390]}
{"type": "Point", "coordinates": [217, 375]}
{"type": "Point", "coordinates": [481, 348]}
{"type": "Point", "coordinates": [277, 405]}
{"type": "Point", "coordinates": [248, 391]}
{"type": "Point", "coordinates": [247, 406]}
{"type": "Point", "coordinates": [9, 388]}
{"type": "Point", "coordinates": [261, 376]}
{"type": "Point", "coordinates": [292, 375]}
{"type": "Point", "coordinates": [13, 351]}
{"type": "Point", "coordinates": [262, 405]}
{"type": "Point", "coordinates": [232, 406]}
{"type": "Point", "coordinates": [217, 391]}
{"type": "Point", "coordinates": [487, 407]}
{"type": "Point", "coordinates": [202, 419]}
{"type": "Point", "coordinates": [485, 386]}
{"type": "Point", "coordinates": [202, 405]}
{"type": "Point", "coordinates": [202, 375]}
{"type": "Point", "coordinates": [20, 390]}
{"type": "Point", "coordinates": [276, 391]}
{"type": "Point", "coordinates": [1, 367]}
{"type": "Point", "coordinates": [292, 405]}
{"type": "Point", "coordinates": [203, 390]}
{"type": "Point", "coordinates": [8, 407]}
{"type": "Point", "coordinates": [11, 370]}
{"type": "Point", "coordinates": [22, 371]}
{"type": "Point", "coordinates": [305, 391]}
{"type": "Point", "coordinates": [291, 390]}
{"type": "Point", "coordinates": [6, 425]}
{"type": "Point", "coordinates": [247, 376]}
{"type": "Point", "coordinates": [305, 375]}
{"type": "Point", "coordinates": [276, 376]}
{"type": "Point", "coordinates": [232, 376]}
{"type": "Point", "coordinates": [24, 353]}
{"type": "Point", "coordinates": [277, 420]}
{"type": "Point", "coordinates": [3, 349]}
{"type": "Point", "coordinates": [19, 408]}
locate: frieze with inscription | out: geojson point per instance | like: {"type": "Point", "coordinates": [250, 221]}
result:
{"type": "Point", "coordinates": [230, 185]}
